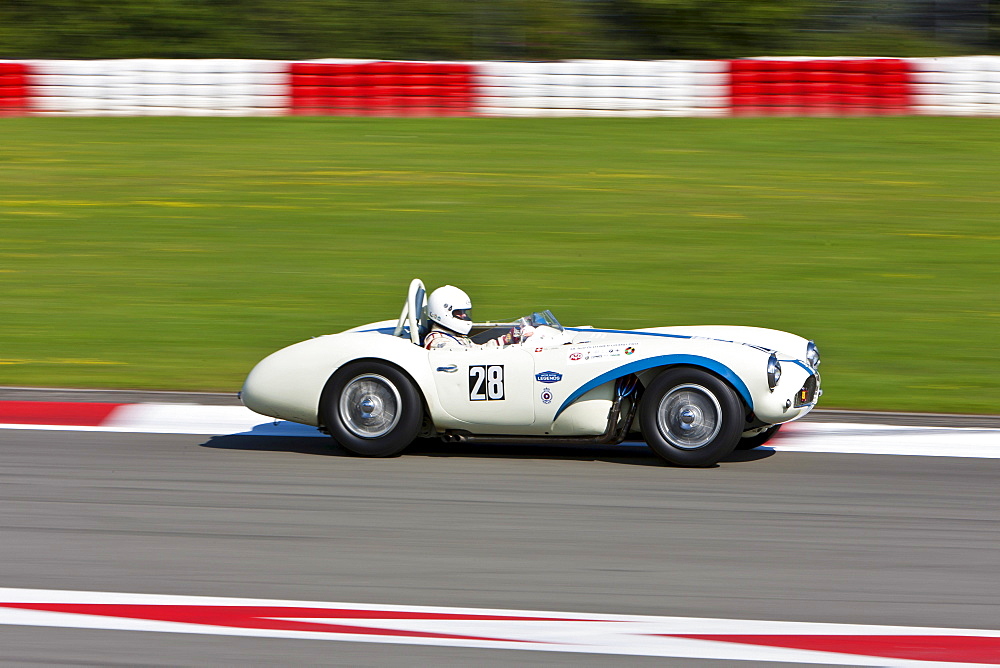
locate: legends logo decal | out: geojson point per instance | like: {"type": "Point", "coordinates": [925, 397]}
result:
{"type": "Point", "coordinates": [548, 377]}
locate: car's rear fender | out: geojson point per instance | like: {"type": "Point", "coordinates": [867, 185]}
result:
{"type": "Point", "coordinates": [289, 383]}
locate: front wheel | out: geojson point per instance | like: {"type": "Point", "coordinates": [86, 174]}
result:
{"type": "Point", "coordinates": [372, 409]}
{"type": "Point", "coordinates": [691, 417]}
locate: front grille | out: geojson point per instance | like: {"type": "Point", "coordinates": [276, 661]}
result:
{"type": "Point", "coordinates": [807, 394]}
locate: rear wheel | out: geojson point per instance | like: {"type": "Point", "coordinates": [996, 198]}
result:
{"type": "Point", "coordinates": [690, 417]}
{"type": "Point", "coordinates": [372, 409]}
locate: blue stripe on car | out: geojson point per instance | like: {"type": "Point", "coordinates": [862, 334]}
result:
{"type": "Point", "coordinates": [812, 372]}
{"type": "Point", "coordinates": [668, 336]}
{"type": "Point", "coordinates": [663, 360]}
{"type": "Point", "coordinates": [629, 331]}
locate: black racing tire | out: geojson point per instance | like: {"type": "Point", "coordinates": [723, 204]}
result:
{"type": "Point", "coordinates": [691, 417]}
{"type": "Point", "coordinates": [751, 442]}
{"type": "Point", "coordinates": [372, 409]}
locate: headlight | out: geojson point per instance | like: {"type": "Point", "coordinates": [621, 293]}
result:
{"type": "Point", "coordinates": [773, 371]}
{"type": "Point", "coordinates": [812, 355]}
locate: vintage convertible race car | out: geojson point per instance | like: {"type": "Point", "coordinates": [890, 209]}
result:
{"type": "Point", "coordinates": [693, 394]}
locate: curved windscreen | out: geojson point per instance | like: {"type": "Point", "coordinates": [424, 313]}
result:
{"type": "Point", "coordinates": [543, 318]}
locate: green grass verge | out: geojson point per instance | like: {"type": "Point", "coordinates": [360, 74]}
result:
{"type": "Point", "coordinates": [175, 253]}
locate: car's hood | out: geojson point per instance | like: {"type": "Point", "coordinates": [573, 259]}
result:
{"type": "Point", "coordinates": [786, 344]}
{"type": "Point", "coordinates": [772, 339]}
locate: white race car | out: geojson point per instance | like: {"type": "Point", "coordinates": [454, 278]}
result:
{"type": "Point", "coordinates": [694, 394]}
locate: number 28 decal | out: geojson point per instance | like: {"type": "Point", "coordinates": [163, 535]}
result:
{"type": "Point", "coordinates": [486, 382]}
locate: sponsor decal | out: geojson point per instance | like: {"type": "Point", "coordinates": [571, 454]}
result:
{"type": "Point", "coordinates": [548, 377]}
{"type": "Point", "coordinates": [601, 352]}
{"type": "Point", "coordinates": [547, 396]}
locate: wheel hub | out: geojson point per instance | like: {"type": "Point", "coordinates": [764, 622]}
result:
{"type": "Point", "coordinates": [370, 406]}
{"type": "Point", "coordinates": [689, 416]}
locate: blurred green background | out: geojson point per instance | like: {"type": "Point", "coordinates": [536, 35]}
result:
{"type": "Point", "coordinates": [495, 29]}
{"type": "Point", "coordinates": [174, 253]}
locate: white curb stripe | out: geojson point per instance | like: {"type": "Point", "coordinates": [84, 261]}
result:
{"type": "Point", "coordinates": [197, 419]}
{"type": "Point", "coordinates": [817, 437]}
{"type": "Point", "coordinates": [876, 439]}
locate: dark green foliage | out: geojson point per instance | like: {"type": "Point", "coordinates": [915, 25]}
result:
{"type": "Point", "coordinates": [710, 28]}
{"type": "Point", "coordinates": [399, 29]}
{"type": "Point", "coordinates": [478, 29]}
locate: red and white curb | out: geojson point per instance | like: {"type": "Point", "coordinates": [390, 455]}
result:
{"type": "Point", "coordinates": [145, 418]}
{"type": "Point", "coordinates": [678, 637]}
{"type": "Point", "coordinates": [163, 418]}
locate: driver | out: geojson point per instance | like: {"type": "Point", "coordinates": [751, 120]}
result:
{"type": "Point", "coordinates": [448, 310]}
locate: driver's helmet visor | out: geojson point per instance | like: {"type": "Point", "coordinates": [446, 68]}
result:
{"type": "Point", "coordinates": [462, 314]}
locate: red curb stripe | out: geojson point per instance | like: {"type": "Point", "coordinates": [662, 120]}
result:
{"type": "Point", "coordinates": [56, 413]}
{"type": "Point", "coordinates": [277, 617]}
{"type": "Point", "coordinates": [965, 649]}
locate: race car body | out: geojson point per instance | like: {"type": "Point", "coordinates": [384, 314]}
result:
{"type": "Point", "coordinates": [692, 393]}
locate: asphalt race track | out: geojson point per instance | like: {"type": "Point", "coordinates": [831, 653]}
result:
{"type": "Point", "coordinates": [860, 539]}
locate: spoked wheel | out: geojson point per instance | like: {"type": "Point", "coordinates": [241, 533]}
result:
{"type": "Point", "coordinates": [690, 417]}
{"type": "Point", "coordinates": [751, 442]}
{"type": "Point", "coordinates": [372, 409]}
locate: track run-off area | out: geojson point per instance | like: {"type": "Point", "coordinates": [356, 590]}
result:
{"type": "Point", "coordinates": [170, 533]}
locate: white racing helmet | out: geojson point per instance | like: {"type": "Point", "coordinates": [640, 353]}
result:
{"type": "Point", "coordinates": [449, 307]}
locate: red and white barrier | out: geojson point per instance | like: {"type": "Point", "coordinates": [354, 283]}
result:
{"type": "Point", "coordinates": [963, 86]}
